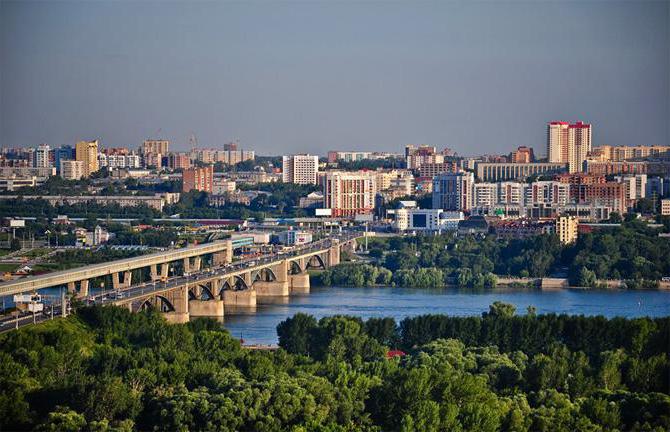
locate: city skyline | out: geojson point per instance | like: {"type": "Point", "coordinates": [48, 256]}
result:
{"type": "Point", "coordinates": [477, 78]}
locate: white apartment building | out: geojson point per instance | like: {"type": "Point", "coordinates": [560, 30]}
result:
{"type": "Point", "coordinates": [41, 156]}
{"type": "Point", "coordinates": [300, 169]}
{"type": "Point", "coordinates": [568, 143]}
{"type": "Point", "coordinates": [548, 193]}
{"type": "Point", "coordinates": [72, 169]}
{"type": "Point", "coordinates": [636, 185]}
{"type": "Point", "coordinates": [119, 161]}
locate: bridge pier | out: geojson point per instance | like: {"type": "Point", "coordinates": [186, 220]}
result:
{"type": "Point", "coordinates": [206, 308]}
{"type": "Point", "coordinates": [272, 289]}
{"type": "Point", "coordinates": [178, 298]}
{"type": "Point", "coordinates": [83, 288]}
{"type": "Point", "coordinates": [333, 256]}
{"type": "Point", "coordinates": [127, 280]}
{"type": "Point", "coordinates": [240, 298]}
{"type": "Point", "coordinates": [299, 283]}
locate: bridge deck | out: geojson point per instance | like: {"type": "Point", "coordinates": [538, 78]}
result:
{"type": "Point", "coordinates": [48, 280]}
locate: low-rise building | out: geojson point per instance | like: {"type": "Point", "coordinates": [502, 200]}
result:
{"type": "Point", "coordinates": [665, 207]}
{"type": "Point", "coordinates": [294, 237]}
{"type": "Point", "coordinates": [432, 220]}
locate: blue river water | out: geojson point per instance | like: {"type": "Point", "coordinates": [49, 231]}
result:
{"type": "Point", "coordinates": [259, 326]}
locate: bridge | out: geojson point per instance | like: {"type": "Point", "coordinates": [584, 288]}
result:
{"type": "Point", "coordinates": [195, 289]}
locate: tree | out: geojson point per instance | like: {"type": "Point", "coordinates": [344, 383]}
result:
{"type": "Point", "coordinates": [295, 334]}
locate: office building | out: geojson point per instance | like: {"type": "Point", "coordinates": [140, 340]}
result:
{"type": "Point", "coordinates": [547, 193]}
{"type": "Point", "coordinates": [568, 144]}
{"type": "Point", "coordinates": [87, 152]}
{"type": "Point", "coordinates": [453, 191]}
{"type": "Point", "coordinates": [200, 179]}
{"type": "Point", "coordinates": [567, 229]}
{"type": "Point", "coordinates": [425, 220]}
{"type": "Point", "coordinates": [495, 172]}
{"type": "Point", "coordinates": [72, 169]}
{"type": "Point", "coordinates": [348, 194]}
{"type": "Point", "coordinates": [300, 169]}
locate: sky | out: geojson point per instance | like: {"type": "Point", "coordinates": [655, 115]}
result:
{"type": "Point", "coordinates": [311, 76]}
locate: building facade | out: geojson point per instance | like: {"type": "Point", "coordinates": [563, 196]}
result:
{"type": "Point", "coordinates": [453, 191]}
{"type": "Point", "coordinates": [568, 143]}
{"type": "Point", "coordinates": [72, 169]}
{"type": "Point", "coordinates": [200, 179]}
{"type": "Point", "coordinates": [348, 194]}
{"type": "Point", "coordinates": [495, 172]}
{"type": "Point", "coordinates": [87, 152]}
{"type": "Point", "coordinates": [300, 169]}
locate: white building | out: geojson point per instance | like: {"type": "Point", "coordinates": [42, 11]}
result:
{"type": "Point", "coordinates": [294, 237]}
{"type": "Point", "coordinates": [119, 161]}
{"type": "Point", "coordinates": [72, 169]}
{"type": "Point", "coordinates": [41, 156]}
{"type": "Point", "coordinates": [433, 220]}
{"type": "Point", "coordinates": [300, 169]}
{"type": "Point", "coordinates": [636, 185]}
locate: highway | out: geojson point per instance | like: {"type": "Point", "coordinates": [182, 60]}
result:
{"type": "Point", "coordinates": [138, 291]}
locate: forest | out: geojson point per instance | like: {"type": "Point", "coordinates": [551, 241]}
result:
{"type": "Point", "coordinates": [106, 369]}
{"type": "Point", "coordinates": [633, 252]}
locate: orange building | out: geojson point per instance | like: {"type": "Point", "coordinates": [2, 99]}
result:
{"type": "Point", "coordinates": [200, 179]}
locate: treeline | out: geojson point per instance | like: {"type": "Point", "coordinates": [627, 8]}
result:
{"type": "Point", "coordinates": [633, 252]}
{"type": "Point", "coordinates": [106, 369]}
{"type": "Point", "coordinates": [42, 208]}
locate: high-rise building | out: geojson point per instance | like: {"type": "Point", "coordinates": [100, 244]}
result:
{"type": "Point", "coordinates": [568, 143]}
{"type": "Point", "coordinates": [41, 156]}
{"type": "Point", "coordinates": [87, 152]}
{"type": "Point", "coordinates": [349, 194]}
{"type": "Point", "coordinates": [300, 169]}
{"type": "Point", "coordinates": [453, 191]}
{"type": "Point", "coordinates": [61, 154]}
{"type": "Point", "coordinates": [155, 147]}
{"type": "Point", "coordinates": [200, 179]}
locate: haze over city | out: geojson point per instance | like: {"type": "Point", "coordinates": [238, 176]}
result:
{"type": "Point", "coordinates": [309, 77]}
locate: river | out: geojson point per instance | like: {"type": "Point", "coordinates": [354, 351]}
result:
{"type": "Point", "coordinates": [259, 326]}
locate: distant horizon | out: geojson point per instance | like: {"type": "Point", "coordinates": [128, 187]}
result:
{"type": "Point", "coordinates": [288, 77]}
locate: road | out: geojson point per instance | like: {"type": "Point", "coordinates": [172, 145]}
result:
{"type": "Point", "coordinates": [9, 322]}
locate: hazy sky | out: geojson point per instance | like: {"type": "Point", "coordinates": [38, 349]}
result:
{"type": "Point", "coordinates": [312, 76]}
